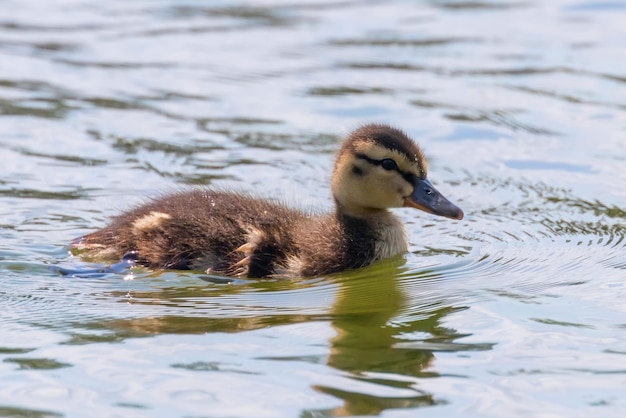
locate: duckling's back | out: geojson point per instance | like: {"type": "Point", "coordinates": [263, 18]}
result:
{"type": "Point", "coordinates": [206, 230]}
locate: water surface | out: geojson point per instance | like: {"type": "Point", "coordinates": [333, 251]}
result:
{"type": "Point", "coordinates": [516, 310]}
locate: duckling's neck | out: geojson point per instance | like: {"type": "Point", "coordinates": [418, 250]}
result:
{"type": "Point", "coordinates": [390, 236]}
{"type": "Point", "coordinates": [359, 212]}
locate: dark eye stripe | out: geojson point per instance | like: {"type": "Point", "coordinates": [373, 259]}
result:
{"type": "Point", "coordinates": [409, 177]}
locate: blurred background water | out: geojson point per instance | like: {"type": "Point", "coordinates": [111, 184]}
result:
{"type": "Point", "coordinates": [518, 310]}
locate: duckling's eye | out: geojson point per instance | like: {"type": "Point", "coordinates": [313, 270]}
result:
{"type": "Point", "coordinates": [388, 164]}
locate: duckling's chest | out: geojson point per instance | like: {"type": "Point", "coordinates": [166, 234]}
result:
{"type": "Point", "coordinates": [380, 238]}
{"type": "Point", "coordinates": [336, 244]}
{"type": "Point", "coordinates": [391, 238]}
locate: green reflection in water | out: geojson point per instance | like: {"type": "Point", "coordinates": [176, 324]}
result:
{"type": "Point", "coordinates": [596, 207]}
{"type": "Point", "coordinates": [78, 193]}
{"type": "Point", "coordinates": [37, 363]}
{"type": "Point", "coordinates": [360, 404]}
{"type": "Point", "coordinates": [40, 107]}
{"type": "Point", "coordinates": [7, 411]}
{"type": "Point", "coordinates": [365, 343]}
{"type": "Point", "coordinates": [121, 329]}
{"type": "Point", "coordinates": [9, 350]}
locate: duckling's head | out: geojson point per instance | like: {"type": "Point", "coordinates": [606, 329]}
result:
{"type": "Point", "coordinates": [380, 167]}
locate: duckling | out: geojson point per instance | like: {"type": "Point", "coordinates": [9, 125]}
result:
{"type": "Point", "coordinates": [378, 167]}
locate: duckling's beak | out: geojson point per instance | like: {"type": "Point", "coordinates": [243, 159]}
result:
{"type": "Point", "coordinates": [428, 199]}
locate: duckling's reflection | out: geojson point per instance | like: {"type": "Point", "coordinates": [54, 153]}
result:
{"type": "Point", "coordinates": [368, 347]}
{"type": "Point", "coordinates": [364, 346]}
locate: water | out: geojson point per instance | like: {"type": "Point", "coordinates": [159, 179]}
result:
{"type": "Point", "coordinates": [516, 310]}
